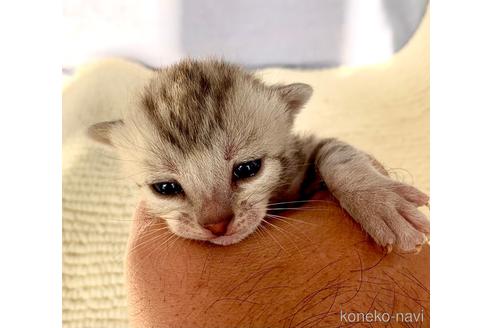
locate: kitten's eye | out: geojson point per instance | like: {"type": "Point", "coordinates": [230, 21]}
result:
{"type": "Point", "coordinates": [168, 188]}
{"type": "Point", "coordinates": [247, 169]}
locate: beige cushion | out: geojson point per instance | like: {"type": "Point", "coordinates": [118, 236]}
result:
{"type": "Point", "coordinates": [383, 109]}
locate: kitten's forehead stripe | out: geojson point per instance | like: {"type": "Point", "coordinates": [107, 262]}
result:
{"type": "Point", "coordinates": [152, 112]}
{"type": "Point", "coordinates": [187, 102]}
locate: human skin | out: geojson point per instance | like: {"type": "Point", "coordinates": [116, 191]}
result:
{"type": "Point", "coordinates": [314, 268]}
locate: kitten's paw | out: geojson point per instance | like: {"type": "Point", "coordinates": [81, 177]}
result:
{"type": "Point", "coordinates": [388, 211]}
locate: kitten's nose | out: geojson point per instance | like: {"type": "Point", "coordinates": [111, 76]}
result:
{"type": "Point", "coordinates": [219, 228]}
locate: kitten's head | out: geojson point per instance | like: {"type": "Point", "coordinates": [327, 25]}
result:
{"type": "Point", "coordinates": [208, 144]}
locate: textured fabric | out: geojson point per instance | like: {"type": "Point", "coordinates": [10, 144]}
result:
{"type": "Point", "coordinates": [383, 109]}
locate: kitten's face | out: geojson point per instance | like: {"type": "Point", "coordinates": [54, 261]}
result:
{"type": "Point", "coordinates": [229, 181]}
{"type": "Point", "coordinates": [207, 145]}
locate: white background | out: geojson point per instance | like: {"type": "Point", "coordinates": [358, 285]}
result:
{"type": "Point", "coordinates": [254, 33]}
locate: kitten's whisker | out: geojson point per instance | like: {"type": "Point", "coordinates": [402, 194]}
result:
{"type": "Point", "coordinates": [263, 191]}
{"type": "Point", "coordinates": [291, 219]}
{"type": "Point", "coordinates": [259, 229]}
{"type": "Point", "coordinates": [265, 237]}
{"type": "Point", "coordinates": [296, 209]}
{"type": "Point", "coordinates": [302, 201]}
{"type": "Point", "coordinates": [166, 246]}
{"type": "Point", "coordinates": [275, 239]}
{"type": "Point", "coordinates": [157, 220]}
{"type": "Point", "coordinates": [167, 219]}
{"type": "Point", "coordinates": [168, 238]}
{"type": "Point", "coordinates": [290, 224]}
{"type": "Point", "coordinates": [150, 238]}
{"type": "Point", "coordinates": [285, 233]}
{"type": "Point", "coordinates": [157, 248]}
{"type": "Point", "coordinates": [263, 240]}
{"type": "Point", "coordinates": [172, 243]}
{"type": "Point", "coordinates": [125, 220]}
{"type": "Point", "coordinates": [154, 229]}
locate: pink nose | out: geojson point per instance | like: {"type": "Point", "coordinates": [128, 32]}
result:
{"type": "Point", "coordinates": [219, 228]}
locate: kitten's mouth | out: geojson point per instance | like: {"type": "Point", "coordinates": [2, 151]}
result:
{"type": "Point", "coordinates": [227, 239]}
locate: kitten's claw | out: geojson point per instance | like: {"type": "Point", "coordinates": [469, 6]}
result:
{"type": "Point", "coordinates": [388, 211]}
{"type": "Point", "coordinates": [389, 248]}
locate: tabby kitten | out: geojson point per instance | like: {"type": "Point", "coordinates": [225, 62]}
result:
{"type": "Point", "coordinates": [213, 146]}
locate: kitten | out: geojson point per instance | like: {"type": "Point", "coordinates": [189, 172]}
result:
{"type": "Point", "coordinates": [211, 146]}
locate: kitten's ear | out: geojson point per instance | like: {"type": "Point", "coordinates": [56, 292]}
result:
{"type": "Point", "coordinates": [101, 132]}
{"type": "Point", "coordinates": [295, 95]}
